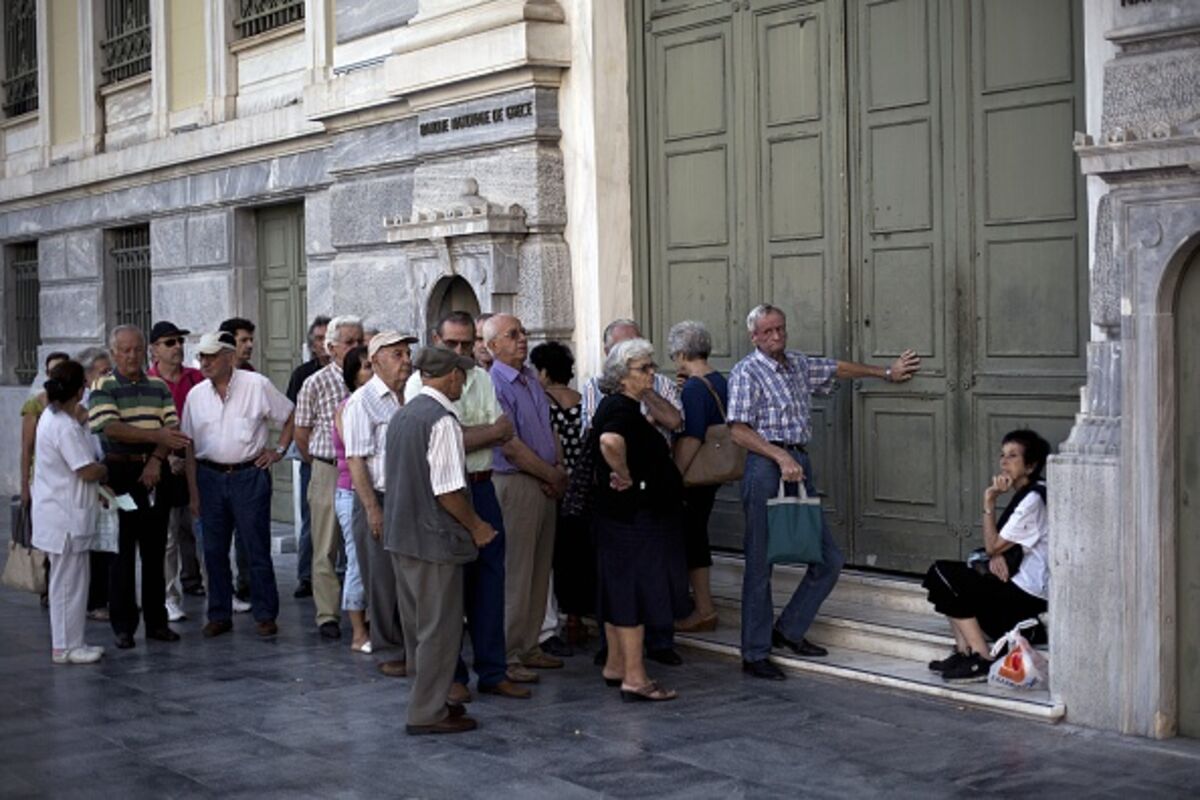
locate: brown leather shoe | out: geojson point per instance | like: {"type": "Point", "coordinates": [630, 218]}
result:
{"type": "Point", "coordinates": [540, 660]}
{"type": "Point", "coordinates": [456, 711]}
{"type": "Point", "coordinates": [393, 669]}
{"type": "Point", "coordinates": [458, 694]}
{"type": "Point", "coordinates": [507, 689]}
{"type": "Point", "coordinates": [448, 725]}
{"type": "Point", "coordinates": [518, 674]}
{"type": "Point", "coordinates": [268, 628]}
{"type": "Point", "coordinates": [216, 628]}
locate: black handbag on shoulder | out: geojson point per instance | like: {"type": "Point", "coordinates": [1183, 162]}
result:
{"type": "Point", "coordinates": [1015, 554]}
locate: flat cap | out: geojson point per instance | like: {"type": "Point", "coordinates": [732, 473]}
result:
{"type": "Point", "coordinates": [439, 361]}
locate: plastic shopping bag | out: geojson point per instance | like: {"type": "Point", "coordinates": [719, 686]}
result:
{"type": "Point", "coordinates": [1022, 667]}
{"type": "Point", "coordinates": [108, 530]}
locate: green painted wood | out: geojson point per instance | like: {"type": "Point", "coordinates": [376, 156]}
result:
{"type": "Point", "coordinates": [279, 338]}
{"type": "Point", "coordinates": [1187, 322]}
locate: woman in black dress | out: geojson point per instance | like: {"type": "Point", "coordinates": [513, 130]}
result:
{"type": "Point", "coordinates": [641, 567]}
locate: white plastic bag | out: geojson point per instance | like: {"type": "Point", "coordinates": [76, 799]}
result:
{"type": "Point", "coordinates": [107, 538]}
{"type": "Point", "coordinates": [1022, 667]}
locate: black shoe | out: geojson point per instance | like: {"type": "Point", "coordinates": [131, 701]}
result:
{"type": "Point", "coordinates": [194, 591]}
{"type": "Point", "coordinates": [763, 669]}
{"type": "Point", "coordinates": [556, 647]}
{"type": "Point", "coordinates": [971, 669]}
{"type": "Point", "coordinates": [330, 630]}
{"type": "Point", "coordinates": [601, 657]}
{"type": "Point", "coordinates": [303, 589]}
{"type": "Point", "coordinates": [941, 665]}
{"type": "Point", "coordinates": [801, 648]}
{"type": "Point", "coordinates": [163, 635]}
{"type": "Point", "coordinates": [665, 656]}
{"type": "Point", "coordinates": [124, 641]}
{"type": "Point", "coordinates": [243, 594]}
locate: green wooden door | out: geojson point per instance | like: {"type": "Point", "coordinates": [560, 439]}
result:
{"type": "Point", "coordinates": [1187, 322]}
{"type": "Point", "coordinates": [283, 302]}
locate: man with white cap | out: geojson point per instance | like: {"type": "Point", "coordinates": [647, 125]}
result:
{"type": "Point", "coordinates": [431, 530]}
{"type": "Point", "coordinates": [228, 417]}
{"type": "Point", "coordinates": [364, 432]}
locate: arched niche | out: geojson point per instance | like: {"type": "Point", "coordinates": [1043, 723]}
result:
{"type": "Point", "coordinates": [451, 293]}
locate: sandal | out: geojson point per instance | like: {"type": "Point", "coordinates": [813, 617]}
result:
{"type": "Point", "coordinates": [651, 692]}
{"type": "Point", "coordinates": [611, 681]}
{"type": "Point", "coordinates": [699, 625]}
{"type": "Point", "coordinates": [364, 648]}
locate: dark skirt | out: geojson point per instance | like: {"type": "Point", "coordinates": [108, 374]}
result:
{"type": "Point", "coordinates": [697, 508]}
{"type": "Point", "coordinates": [641, 570]}
{"type": "Point", "coordinates": [958, 591]}
{"type": "Point", "coordinates": [574, 567]}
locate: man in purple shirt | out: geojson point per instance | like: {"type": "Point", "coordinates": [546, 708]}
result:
{"type": "Point", "coordinates": [529, 480]}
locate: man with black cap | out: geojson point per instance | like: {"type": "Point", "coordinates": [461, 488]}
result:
{"type": "Point", "coordinates": [431, 530]}
{"type": "Point", "coordinates": [182, 568]}
{"type": "Point", "coordinates": [228, 417]}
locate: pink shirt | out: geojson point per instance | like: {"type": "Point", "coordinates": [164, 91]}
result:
{"type": "Point", "coordinates": [339, 454]}
{"type": "Point", "coordinates": [189, 377]}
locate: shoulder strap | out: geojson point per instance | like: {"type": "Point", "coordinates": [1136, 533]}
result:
{"type": "Point", "coordinates": [713, 392]}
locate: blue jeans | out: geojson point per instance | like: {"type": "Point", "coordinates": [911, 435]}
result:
{"type": "Point", "coordinates": [759, 484]}
{"type": "Point", "coordinates": [483, 596]}
{"type": "Point", "coordinates": [241, 500]}
{"type": "Point", "coordinates": [353, 595]}
{"type": "Point", "coordinates": [304, 546]}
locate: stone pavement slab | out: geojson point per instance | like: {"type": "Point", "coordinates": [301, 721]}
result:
{"type": "Point", "coordinates": [298, 716]}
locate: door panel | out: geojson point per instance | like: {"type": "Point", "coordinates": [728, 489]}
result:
{"type": "Point", "coordinates": [1187, 322]}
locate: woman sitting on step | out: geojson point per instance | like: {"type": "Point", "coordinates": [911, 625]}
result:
{"type": "Point", "coordinates": [1011, 585]}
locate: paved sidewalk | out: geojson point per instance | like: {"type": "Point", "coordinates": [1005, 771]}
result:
{"type": "Point", "coordinates": [301, 717]}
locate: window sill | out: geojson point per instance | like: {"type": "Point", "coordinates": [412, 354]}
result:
{"type": "Point", "coordinates": [18, 121]}
{"type": "Point", "coordinates": [282, 32]}
{"type": "Point", "coordinates": [128, 83]}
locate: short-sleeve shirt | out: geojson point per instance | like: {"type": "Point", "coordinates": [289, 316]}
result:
{"type": "Point", "coordinates": [775, 399]}
{"type": "Point", "coordinates": [700, 409]}
{"type": "Point", "coordinates": [233, 429]}
{"type": "Point", "coordinates": [657, 483]}
{"type": "Point", "coordinates": [664, 387]}
{"type": "Point", "coordinates": [189, 378]}
{"type": "Point", "coordinates": [64, 505]}
{"type": "Point", "coordinates": [445, 454]}
{"type": "Point", "coordinates": [144, 403]}
{"type": "Point", "coordinates": [1029, 526]}
{"type": "Point", "coordinates": [316, 404]}
{"type": "Point", "coordinates": [477, 406]}
{"type": "Point", "coordinates": [524, 401]}
{"type": "Point", "coordinates": [364, 426]}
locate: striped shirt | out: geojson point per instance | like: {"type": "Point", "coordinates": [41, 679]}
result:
{"type": "Point", "coordinates": [316, 404]}
{"type": "Point", "coordinates": [664, 387]}
{"type": "Point", "coordinates": [364, 426]}
{"type": "Point", "coordinates": [776, 399]}
{"type": "Point", "coordinates": [446, 457]}
{"type": "Point", "coordinates": [144, 403]}
{"type": "Point", "coordinates": [477, 406]}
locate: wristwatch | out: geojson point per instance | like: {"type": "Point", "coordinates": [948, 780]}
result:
{"type": "Point", "coordinates": [280, 450]}
{"type": "Point", "coordinates": [887, 374]}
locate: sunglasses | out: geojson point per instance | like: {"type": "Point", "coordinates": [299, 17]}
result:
{"type": "Point", "coordinates": [170, 342]}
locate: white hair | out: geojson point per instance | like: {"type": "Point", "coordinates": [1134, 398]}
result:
{"type": "Point", "coordinates": [333, 332]}
{"type": "Point", "coordinates": [611, 328]}
{"type": "Point", "coordinates": [491, 325]}
{"type": "Point", "coordinates": [90, 355]}
{"type": "Point", "coordinates": [616, 366]}
{"type": "Point", "coordinates": [758, 312]}
{"type": "Point", "coordinates": [689, 338]}
{"type": "Point", "coordinates": [117, 331]}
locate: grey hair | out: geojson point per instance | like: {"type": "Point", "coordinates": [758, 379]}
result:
{"type": "Point", "coordinates": [117, 331]}
{"type": "Point", "coordinates": [618, 323]}
{"type": "Point", "coordinates": [88, 356]}
{"type": "Point", "coordinates": [760, 311]}
{"type": "Point", "coordinates": [491, 325]}
{"type": "Point", "coordinates": [690, 339]}
{"type": "Point", "coordinates": [616, 366]}
{"type": "Point", "coordinates": [333, 332]}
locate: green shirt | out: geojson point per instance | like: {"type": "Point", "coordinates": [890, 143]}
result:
{"type": "Point", "coordinates": [145, 403]}
{"type": "Point", "coordinates": [477, 406]}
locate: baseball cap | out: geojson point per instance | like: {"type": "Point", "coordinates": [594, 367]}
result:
{"type": "Point", "coordinates": [213, 343]}
{"type": "Point", "coordinates": [387, 339]}
{"type": "Point", "coordinates": [163, 328]}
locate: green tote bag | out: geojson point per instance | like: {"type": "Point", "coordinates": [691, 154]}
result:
{"type": "Point", "coordinates": [794, 529]}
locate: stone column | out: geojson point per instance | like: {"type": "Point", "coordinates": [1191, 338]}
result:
{"type": "Point", "coordinates": [220, 65]}
{"type": "Point", "coordinates": [160, 113]}
{"type": "Point", "coordinates": [91, 119]}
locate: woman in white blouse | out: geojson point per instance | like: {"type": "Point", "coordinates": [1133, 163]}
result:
{"type": "Point", "coordinates": [64, 510]}
{"type": "Point", "coordinates": [1012, 584]}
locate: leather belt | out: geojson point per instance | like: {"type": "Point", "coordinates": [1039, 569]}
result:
{"type": "Point", "coordinates": [227, 468]}
{"type": "Point", "coordinates": [128, 458]}
{"type": "Point", "coordinates": [479, 477]}
{"type": "Point", "coordinates": [787, 446]}
{"type": "Point", "coordinates": [328, 461]}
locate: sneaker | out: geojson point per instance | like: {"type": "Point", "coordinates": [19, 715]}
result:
{"type": "Point", "coordinates": [98, 615]}
{"type": "Point", "coordinates": [240, 606]}
{"type": "Point", "coordinates": [972, 668]}
{"type": "Point", "coordinates": [174, 612]}
{"type": "Point", "coordinates": [77, 655]}
{"type": "Point", "coordinates": [943, 664]}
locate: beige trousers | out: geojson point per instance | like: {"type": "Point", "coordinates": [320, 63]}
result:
{"type": "Point", "coordinates": [431, 611]}
{"type": "Point", "coordinates": [327, 592]}
{"type": "Point", "coordinates": [529, 521]}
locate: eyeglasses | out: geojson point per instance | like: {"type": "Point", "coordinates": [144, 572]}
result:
{"type": "Point", "coordinates": [459, 344]}
{"type": "Point", "coordinates": [170, 342]}
{"type": "Point", "coordinates": [516, 333]}
{"type": "Point", "coordinates": [647, 368]}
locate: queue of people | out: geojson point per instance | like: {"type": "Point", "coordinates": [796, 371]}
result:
{"type": "Point", "coordinates": [449, 480]}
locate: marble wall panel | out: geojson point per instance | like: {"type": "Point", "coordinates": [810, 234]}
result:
{"type": "Point", "coordinates": [52, 259]}
{"type": "Point", "coordinates": [360, 148]}
{"type": "Point", "coordinates": [318, 235]}
{"type": "Point", "coordinates": [208, 237]}
{"type": "Point", "coordinates": [354, 19]}
{"type": "Point", "coordinates": [320, 288]}
{"type": "Point", "coordinates": [71, 311]}
{"type": "Point", "coordinates": [168, 243]}
{"type": "Point", "coordinates": [377, 286]}
{"type": "Point", "coordinates": [196, 302]}
{"type": "Point", "coordinates": [545, 299]}
{"type": "Point", "coordinates": [360, 206]}
{"type": "Point", "coordinates": [530, 175]}
{"type": "Point", "coordinates": [85, 253]}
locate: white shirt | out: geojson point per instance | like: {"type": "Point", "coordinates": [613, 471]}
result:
{"type": "Point", "coordinates": [364, 426]}
{"type": "Point", "coordinates": [64, 505]}
{"type": "Point", "coordinates": [446, 456]}
{"type": "Point", "coordinates": [1029, 526]}
{"type": "Point", "coordinates": [477, 406]}
{"type": "Point", "coordinates": [234, 428]}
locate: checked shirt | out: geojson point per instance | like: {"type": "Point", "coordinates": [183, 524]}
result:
{"type": "Point", "coordinates": [776, 399]}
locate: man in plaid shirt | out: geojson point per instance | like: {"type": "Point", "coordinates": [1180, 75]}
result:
{"type": "Point", "coordinates": [770, 394]}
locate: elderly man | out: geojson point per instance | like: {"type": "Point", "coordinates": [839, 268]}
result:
{"type": "Point", "coordinates": [320, 357]}
{"type": "Point", "coordinates": [663, 407]}
{"type": "Point", "coordinates": [228, 416]}
{"type": "Point", "coordinates": [364, 427]}
{"type": "Point", "coordinates": [315, 407]}
{"type": "Point", "coordinates": [182, 567]}
{"type": "Point", "coordinates": [135, 417]}
{"type": "Point", "coordinates": [431, 530]}
{"type": "Point", "coordinates": [483, 356]}
{"type": "Point", "coordinates": [770, 406]}
{"type": "Point", "coordinates": [484, 426]}
{"type": "Point", "coordinates": [529, 480]}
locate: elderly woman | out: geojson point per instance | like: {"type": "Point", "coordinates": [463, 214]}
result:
{"type": "Point", "coordinates": [96, 364]}
{"type": "Point", "coordinates": [64, 510]}
{"type": "Point", "coordinates": [356, 371]}
{"type": "Point", "coordinates": [1010, 590]}
{"type": "Point", "coordinates": [705, 396]}
{"type": "Point", "coordinates": [640, 564]}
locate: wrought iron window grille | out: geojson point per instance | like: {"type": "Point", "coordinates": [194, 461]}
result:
{"type": "Point", "coordinates": [130, 258]}
{"type": "Point", "coordinates": [20, 57]}
{"type": "Point", "coordinates": [259, 16]}
{"type": "Point", "coordinates": [24, 265]}
{"type": "Point", "coordinates": [126, 44]}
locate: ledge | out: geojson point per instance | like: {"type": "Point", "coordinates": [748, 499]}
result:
{"type": "Point", "coordinates": [120, 86]}
{"type": "Point", "coordinates": [266, 37]}
{"type": "Point", "coordinates": [19, 121]}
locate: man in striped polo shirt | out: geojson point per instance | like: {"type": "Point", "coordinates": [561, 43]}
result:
{"type": "Point", "coordinates": [134, 415]}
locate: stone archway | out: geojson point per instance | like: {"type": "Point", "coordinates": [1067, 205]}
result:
{"type": "Point", "coordinates": [1187, 365]}
{"type": "Point", "coordinates": [451, 293]}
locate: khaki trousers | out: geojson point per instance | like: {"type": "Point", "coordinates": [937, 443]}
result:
{"type": "Point", "coordinates": [431, 610]}
{"type": "Point", "coordinates": [379, 583]}
{"type": "Point", "coordinates": [529, 521]}
{"type": "Point", "coordinates": [181, 547]}
{"type": "Point", "coordinates": [327, 592]}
